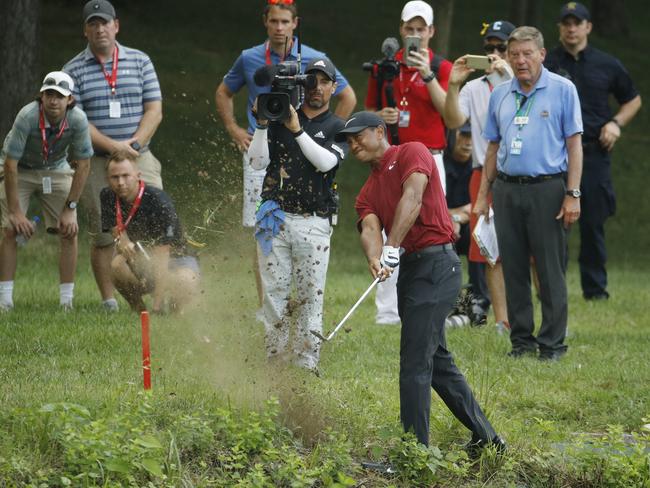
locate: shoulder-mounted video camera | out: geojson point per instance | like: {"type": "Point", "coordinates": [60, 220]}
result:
{"type": "Point", "coordinates": [387, 68]}
{"type": "Point", "coordinates": [287, 89]}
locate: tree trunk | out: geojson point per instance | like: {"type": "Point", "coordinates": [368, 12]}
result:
{"type": "Point", "coordinates": [609, 18]}
{"type": "Point", "coordinates": [18, 58]}
{"type": "Point", "coordinates": [526, 12]}
{"type": "Point", "coordinates": [443, 16]}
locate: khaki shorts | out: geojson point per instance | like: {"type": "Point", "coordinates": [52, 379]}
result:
{"type": "Point", "coordinates": [150, 169]}
{"type": "Point", "coordinates": [30, 182]}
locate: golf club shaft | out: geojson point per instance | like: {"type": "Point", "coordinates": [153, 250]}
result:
{"type": "Point", "coordinates": [354, 307]}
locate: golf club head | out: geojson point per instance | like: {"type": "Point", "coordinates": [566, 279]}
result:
{"type": "Point", "coordinates": [319, 335]}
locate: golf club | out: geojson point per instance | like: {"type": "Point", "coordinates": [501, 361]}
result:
{"type": "Point", "coordinates": [354, 307]}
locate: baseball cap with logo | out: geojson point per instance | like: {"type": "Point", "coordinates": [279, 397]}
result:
{"type": "Point", "coordinates": [501, 29]}
{"type": "Point", "coordinates": [575, 9]}
{"type": "Point", "coordinates": [417, 8]}
{"type": "Point", "coordinates": [98, 8]}
{"type": "Point", "coordinates": [358, 122]}
{"type": "Point", "coordinates": [324, 65]}
{"type": "Point", "coordinates": [58, 81]}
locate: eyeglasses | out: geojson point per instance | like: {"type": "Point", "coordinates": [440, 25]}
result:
{"type": "Point", "coordinates": [490, 48]}
{"type": "Point", "coordinates": [280, 2]}
{"type": "Point", "coordinates": [61, 84]}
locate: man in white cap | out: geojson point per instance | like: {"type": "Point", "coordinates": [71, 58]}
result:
{"type": "Point", "coordinates": [419, 93]}
{"type": "Point", "coordinates": [34, 161]}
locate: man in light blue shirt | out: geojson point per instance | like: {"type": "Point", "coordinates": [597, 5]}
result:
{"type": "Point", "coordinates": [534, 126]}
{"type": "Point", "coordinates": [280, 19]}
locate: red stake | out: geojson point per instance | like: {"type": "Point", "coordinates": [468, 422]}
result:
{"type": "Point", "coordinates": [146, 351]}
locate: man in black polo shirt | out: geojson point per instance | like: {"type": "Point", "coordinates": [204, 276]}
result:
{"type": "Point", "coordinates": [596, 75]}
{"type": "Point", "coordinates": [150, 249]}
{"type": "Point", "coordinates": [299, 205]}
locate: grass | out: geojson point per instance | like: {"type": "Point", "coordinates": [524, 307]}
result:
{"type": "Point", "coordinates": [212, 358]}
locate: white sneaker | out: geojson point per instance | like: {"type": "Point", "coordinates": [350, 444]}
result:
{"type": "Point", "coordinates": [110, 305]}
{"type": "Point", "coordinates": [387, 320]}
{"type": "Point", "coordinates": [67, 307]}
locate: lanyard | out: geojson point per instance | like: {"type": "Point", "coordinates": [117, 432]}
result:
{"type": "Point", "coordinates": [267, 54]}
{"type": "Point", "coordinates": [44, 144]}
{"type": "Point", "coordinates": [406, 87]}
{"type": "Point", "coordinates": [121, 226]}
{"type": "Point", "coordinates": [112, 78]}
{"type": "Point", "coordinates": [520, 103]}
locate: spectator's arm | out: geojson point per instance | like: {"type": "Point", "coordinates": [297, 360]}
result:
{"type": "Point", "coordinates": [346, 101]}
{"type": "Point", "coordinates": [225, 108]}
{"type": "Point", "coordinates": [149, 123]}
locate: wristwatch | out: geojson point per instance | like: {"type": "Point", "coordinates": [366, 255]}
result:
{"type": "Point", "coordinates": [71, 204]}
{"type": "Point", "coordinates": [456, 218]}
{"type": "Point", "coordinates": [136, 146]}
{"type": "Point", "coordinates": [575, 193]}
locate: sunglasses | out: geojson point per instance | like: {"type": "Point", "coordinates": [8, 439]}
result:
{"type": "Point", "coordinates": [280, 2]}
{"type": "Point", "coordinates": [490, 48]}
{"type": "Point", "coordinates": [61, 84]}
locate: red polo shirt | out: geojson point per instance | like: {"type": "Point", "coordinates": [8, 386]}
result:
{"type": "Point", "coordinates": [382, 192]}
{"type": "Point", "coordinates": [425, 125]}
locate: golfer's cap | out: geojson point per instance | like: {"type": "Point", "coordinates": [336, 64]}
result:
{"type": "Point", "coordinates": [357, 122]}
{"type": "Point", "coordinates": [99, 8]}
{"type": "Point", "coordinates": [501, 29]}
{"type": "Point", "coordinates": [417, 8]}
{"type": "Point", "coordinates": [58, 81]}
{"type": "Point", "coordinates": [574, 9]}
{"type": "Point", "coordinates": [323, 65]}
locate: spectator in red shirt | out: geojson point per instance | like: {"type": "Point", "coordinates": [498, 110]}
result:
{"type": "Point", "coordinates": [419, 92]}
{"type": "Point", "coordinates": [403, 196]}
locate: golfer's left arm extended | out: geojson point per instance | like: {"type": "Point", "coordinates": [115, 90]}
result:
{"type": "Point", "coordinates": [408, 208]}
{"type": "Point", "coordinates": [372, 242]}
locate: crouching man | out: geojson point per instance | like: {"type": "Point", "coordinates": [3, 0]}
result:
{"type": "Point", "coordinates": [150, 250]}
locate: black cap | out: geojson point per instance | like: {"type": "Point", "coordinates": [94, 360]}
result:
{"type": "Point", "coordinates": [357, 122]}
{"type": "Point", "coordinates": [574, 9]}
{"type": "Point", "coordinates": [324, 65]}
{"type": "Point", "coordinates": [501, 29]}
{"type": "Point", "coordinates": [98, 8]}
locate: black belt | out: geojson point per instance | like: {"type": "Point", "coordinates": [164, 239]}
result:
{"type": "Point", "coordinates": [436, 248]}
{"type": "Point", "coordinates": [528, 180]}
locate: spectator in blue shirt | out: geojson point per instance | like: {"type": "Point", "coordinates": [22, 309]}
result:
{"type": "Point", "coordinates": [533, 165]}
{"type": "Point", "coordinates": [280, 19]}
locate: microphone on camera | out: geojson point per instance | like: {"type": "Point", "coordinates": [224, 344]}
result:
{"type": "Point", "coordinates": [264, 75]}
{"type": "Point", "coordinates": [389, 47]}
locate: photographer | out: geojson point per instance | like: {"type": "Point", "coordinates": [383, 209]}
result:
{"type": "Point", "coordinates": [419, 98]}
{"type": "Point", "coordinates": [294, 221]}
{"type": "Point", "coordinates": [150, 249]}
{"type": "Point", "coordinates": [280, 20]}
{"type": "Point", "coordinates": [471, 105]}
{"type": "Point", "coordinates": [34, 162]}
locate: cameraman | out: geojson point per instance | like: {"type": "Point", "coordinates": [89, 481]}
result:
{"type": "Point", "coordinates": [419, 96]}
{"type": "Point", "coordinates": [280, 20]}
{"type": "Point", "coordinates": [294, 221]}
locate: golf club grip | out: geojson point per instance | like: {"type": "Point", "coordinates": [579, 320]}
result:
{"type": "Point", "coordinates": [354, 307]}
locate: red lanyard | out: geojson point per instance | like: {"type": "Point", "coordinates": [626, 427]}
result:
{"type": "Point", "coordinates": [121, 226]}
{"type": "Point", "coordinates": [267, 48]}
{"type": "Point", "coordinates": [112, 78]}
{"type": "Point", "coordinates": [41, 125]}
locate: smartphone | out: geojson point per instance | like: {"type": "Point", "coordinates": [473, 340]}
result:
{"type": "Point", "coordinates": [411, 43]}
{"type": "Point", "coordinates": [477, 62]}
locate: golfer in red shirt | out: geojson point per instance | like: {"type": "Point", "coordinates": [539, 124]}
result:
{"type": "Point", "coordinates": [404, 197]}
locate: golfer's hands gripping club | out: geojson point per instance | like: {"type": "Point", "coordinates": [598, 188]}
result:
{"type": "Point", "coordinates": [388, 261]}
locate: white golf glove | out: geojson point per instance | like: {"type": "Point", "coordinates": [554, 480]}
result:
{"type": "Point", "coordinates": [389, 257]}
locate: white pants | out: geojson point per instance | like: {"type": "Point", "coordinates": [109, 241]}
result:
{"type": "Point", "coordinates": [299, 257]}
{"type": "Point", "coordinates": [253, 182]}
{"type": "Point", "coordinates": [386, 296]}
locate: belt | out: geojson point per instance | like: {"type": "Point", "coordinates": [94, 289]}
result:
{"type": "Point", "coordinates": [436, 248]}
{"type": "Point", "coordinates": [528, 180]}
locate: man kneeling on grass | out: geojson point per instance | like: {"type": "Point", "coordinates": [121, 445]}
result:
{"type": "Point", "coordinates": [150, 249]}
